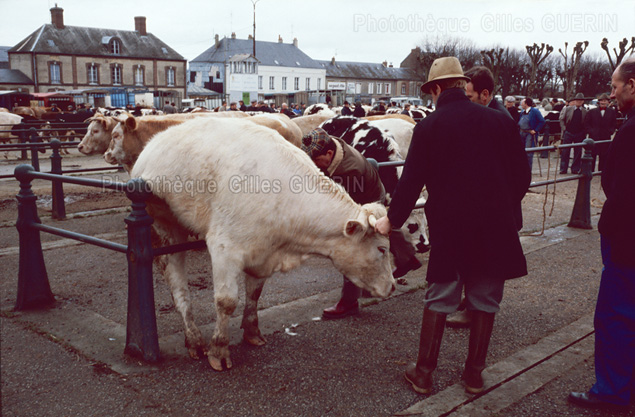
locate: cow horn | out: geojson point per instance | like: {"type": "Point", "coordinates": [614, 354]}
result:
{"type": "Point", "coordinates": [372, 220]}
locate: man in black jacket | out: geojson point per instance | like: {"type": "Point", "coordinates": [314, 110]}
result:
{"type": "Point", "coordinates": [346, 109]}
{"type": "Point", "coordinates": [600, 123]}
{"type": "Point", "coordinates": [480, 89]}
{"type": "Point", "coordinates": [615, 309]}
{"type": "Point", "coordinates": [475, 177]}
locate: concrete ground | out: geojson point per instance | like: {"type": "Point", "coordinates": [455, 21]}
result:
{"type": "Point", "coordinates": [69, 361]}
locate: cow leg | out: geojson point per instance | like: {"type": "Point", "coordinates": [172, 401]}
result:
{"type": "Point", "coordinates": [253, 289]}
{"type": "Point", "coordinates": [173, 269]}
{"type": "Point", "coordinates": [226, 268]}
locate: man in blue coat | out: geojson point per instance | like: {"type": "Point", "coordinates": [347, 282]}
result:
{"type": "Point", "coordinates": [475, 177]}
{"type": "Point", "coordinates": [615, 309]}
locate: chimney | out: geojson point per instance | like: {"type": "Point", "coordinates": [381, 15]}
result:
{"type": "Point", "coordinates": [140, 25]}
{"type": "Point", "coordinates": [250, 37]}
{"type": "Point", "coordinates": [57, 17]}
{"type": "Point", "coordinates": [385, 63]}
{"type": "Point", "coordinates": [333, 61]}
{"type": "Point", "coordinates": [390, 66]}
{"type": "Point", "coordinates": [233, 35]}
{"type": "Point", "coordinates": [279, 39]}
{"type": "Point", "coordinates": [295, 42]}
{"type": "Point", "coordinates": [216, 41]}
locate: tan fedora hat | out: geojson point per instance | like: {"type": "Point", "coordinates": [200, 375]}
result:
{"type": "Point", "coordinates": [443, 69]}
{"type": "Point", "coordinates": [578, 96]}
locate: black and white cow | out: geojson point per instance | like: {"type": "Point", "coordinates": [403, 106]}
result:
{"type": "Point", "coordinates": [374, 143]}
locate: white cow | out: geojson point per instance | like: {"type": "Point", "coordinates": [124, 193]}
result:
{"type": "Point", "coordinates": [251, 200]}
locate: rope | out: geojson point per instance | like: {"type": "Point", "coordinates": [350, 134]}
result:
{"type": "Point", "coordinates": [553, 200]}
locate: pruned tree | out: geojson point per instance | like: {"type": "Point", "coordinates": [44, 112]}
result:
{"type": "Point", "coordinates": [536, 58]}
{"type": "Point", "coordinates": [571, 65]}
{"type": "Point", "coordinates": [623, 51]}
{"type": "Point", "coordinates": [494, 60]}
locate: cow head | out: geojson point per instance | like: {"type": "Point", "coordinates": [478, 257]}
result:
{"type": "Point", "coordinates": [98, 135]}
{"type": "Point", "coordinates": [117, 153]}
{"type": "Point", "coordinates": [364, 256]}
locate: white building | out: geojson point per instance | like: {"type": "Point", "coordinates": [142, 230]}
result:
{"type": "Point", "coordinates": [279, 71]}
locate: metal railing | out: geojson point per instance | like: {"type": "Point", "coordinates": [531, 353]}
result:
{"type": "Point", "coordinates": [34, 291]}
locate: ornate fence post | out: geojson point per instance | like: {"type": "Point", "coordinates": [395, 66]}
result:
{"type": "Point", "coordinates": [34, 290]}
{"type": "Point", "coordinates": [581, 214]}
{"type": "Point", "coordinates": [35, 158]}
{"type": "Point", "coordinates": [141, 337]}
{"type": "Point", "coordinates": [57, 191]}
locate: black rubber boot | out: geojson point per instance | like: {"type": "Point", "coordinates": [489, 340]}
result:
{"type": "Point", "coordinates": [347, 305]}
{"type": "Point", "coordinates": [420, 374]}
{"type": "Point", "coordinates": [480, 333]}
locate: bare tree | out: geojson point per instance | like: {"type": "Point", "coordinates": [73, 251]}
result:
{"type": "Point", "coordinates": [536, 58]}
{"type": "Point", "coordinates": [494, 59]}
{"type": "Point", "coordinates": [594, 75]}
{"type": "Point", "coordinates": [571, 65]}
{"type": "Point", "coordinates": [618, 56]}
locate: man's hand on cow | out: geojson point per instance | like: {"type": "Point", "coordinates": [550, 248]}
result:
{"type": "Point", "coordinates": [383, 226]}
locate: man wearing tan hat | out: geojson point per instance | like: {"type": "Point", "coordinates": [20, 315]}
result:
{"type": "Point", "coordinates": [572, 127]}
{"type": "Point", "coordinates": [600, 124]}
{"type": "Point", "coordinates": [475, 177]}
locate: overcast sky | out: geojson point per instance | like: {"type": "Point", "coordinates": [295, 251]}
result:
{"type": "Point", "coordinates": [353, 30]}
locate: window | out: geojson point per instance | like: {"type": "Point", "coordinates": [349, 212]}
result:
{"type": "Point", "coordinates": [284, 83]}
{"type": "Point", "coordinates": [387, 88]}
{"type": "Point", "coordinates": [217, 75]}
{"type": "Point", "coordinates": [260, 82]}
{"type": "Point", "coordinates": [370, 88]}
{"type": "Point", "coordinates": [115, 47]}
{"type": "Point", "coordinates": [115, 74]}
{"type": "Point", "coordinates": [296, 83]}
{"type": "Point", "coordinates": [378, 88]}
{"type": "Point", "coordinates": [55, 73]}
{"type": "Point", "coordinates": [358, 88]}
{"type": "Point", "coordinates": [319, 87]}
{"type": "Point", "coordinates": [169, 75]}
{"type": "Point", "coordinates": [308, 84]}
{"type": "Point", "coordinates": [139, 75]}
{"type": "Point", "coordinates": [192, 76]}
{"type": "Point", "coordinates": [93, 73]}
{"type": "Point", "coordinates": [403, 89]}
{"type": "Point", "coordinates": [271, 83]}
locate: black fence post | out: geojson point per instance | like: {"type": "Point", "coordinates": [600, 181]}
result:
{"type": "Point", "coordinates": [581, 214]}
{"type": "Point", "coordinates": [141, 336]}
{"type": "Point", "coordinates": [34, 290]}
{"type": "Point", "coordinates": [24, 138]}
{"type": "Point", "coordinates": [35, 158]}
{"type": "Point", "coordinates": [57, 191]}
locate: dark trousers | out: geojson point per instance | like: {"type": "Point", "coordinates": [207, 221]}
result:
{"type": "Point", "coordinates": [565, 154]}
{"type": "Point", "coordinates": [615, 331]}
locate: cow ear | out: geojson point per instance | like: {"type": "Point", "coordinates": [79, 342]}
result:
{"type": "Point", "coordinates": [131, 123]}
{"type": "Point", "coordinates": [354, 228]}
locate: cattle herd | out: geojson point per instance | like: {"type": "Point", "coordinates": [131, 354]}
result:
{"type": "Point", "coordinates": [232, 179]}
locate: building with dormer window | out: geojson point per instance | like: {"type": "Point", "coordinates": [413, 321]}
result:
{"type": "Point", "coordinates": [278, 71]}
{"type": "Point", "coordinates": [110, 66]}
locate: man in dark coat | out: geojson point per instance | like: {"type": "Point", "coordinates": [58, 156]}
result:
{"type": "Point", "coordinates": [346, 109]}
{"type": "Point", "coordinates": [475, 177]}
{"type": "Point", "coordinates": [359, 110]}
{"type": "Point", "coordinates": [510, 105]}
{"type": "Point", "coordinates": [600, 124]}
{"type": "Point", "coordinates": [480, 89]}
{"type": "Point", "coordinates": [615, 309]}
{"type": "Point", "coordinates": [573, 131]}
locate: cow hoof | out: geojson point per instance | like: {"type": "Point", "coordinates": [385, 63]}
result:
{"type": "Point", "coordinates": [256, 340]}
{"type": "Point", "coordinates": [217, 364]}
{"type": "Point", "coordinates": [194, 354]}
